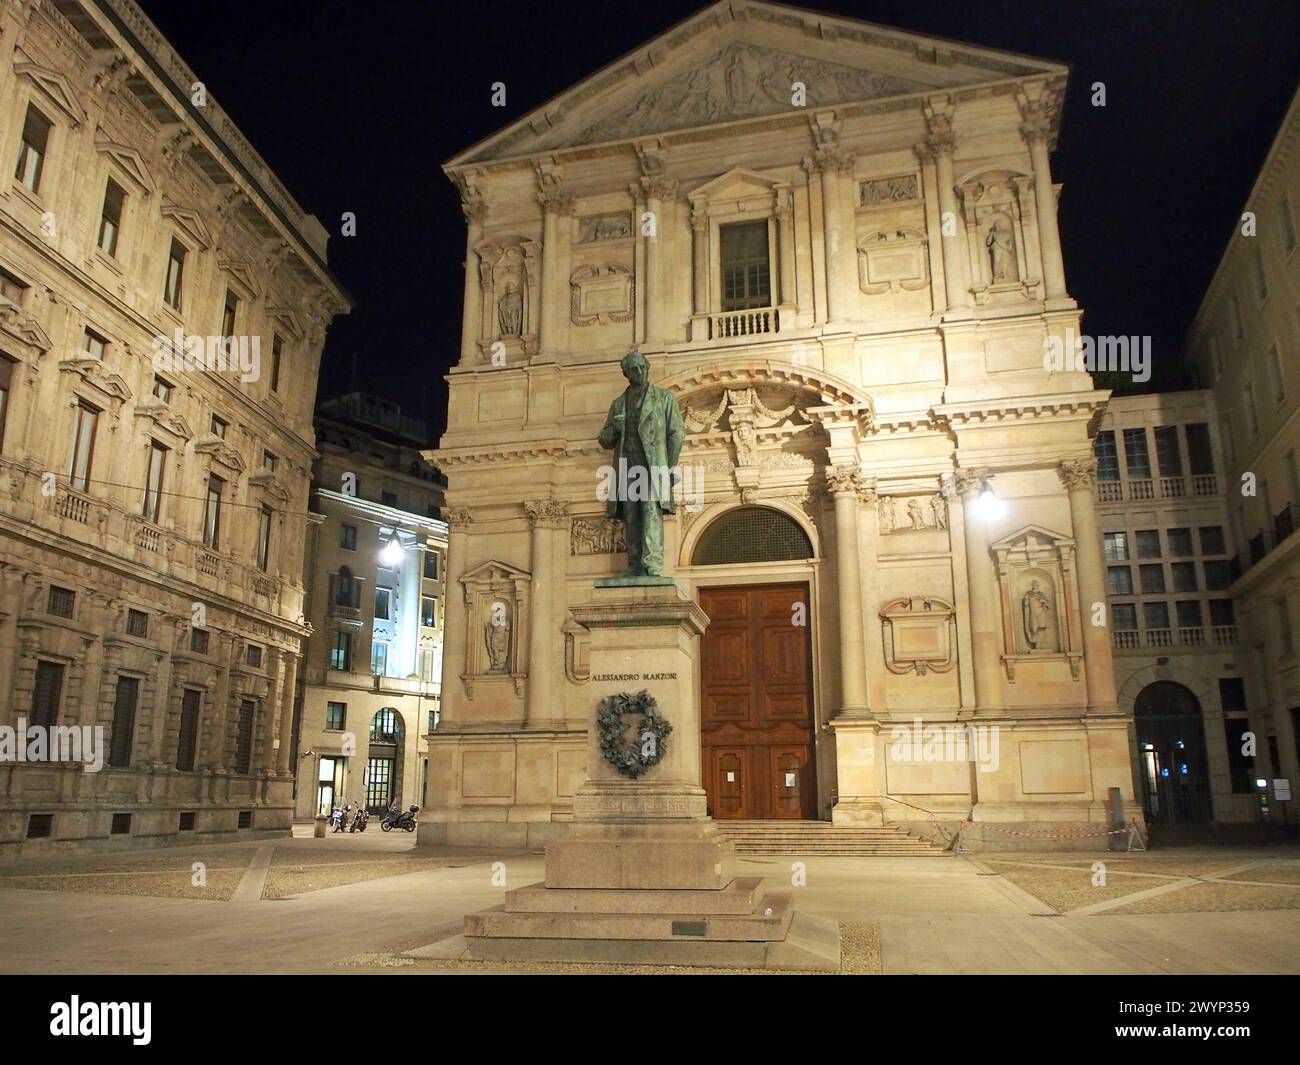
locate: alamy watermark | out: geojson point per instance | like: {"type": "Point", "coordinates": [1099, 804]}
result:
{"type": "Point", "coordinates": [53, 743]}
{"type": "Point", "coordinates": [1111, 354]}
{"type": "Point", "coordinates": [919, 742]}
{"type": "Point", "coordinates": [639, 484]}
{"type": "Point", "coordinates": [191, 353]}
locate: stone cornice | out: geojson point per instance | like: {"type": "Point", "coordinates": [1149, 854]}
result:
{"type": "Point", "coordinates": [1019, 408]}
{"type": "Point", "coordinates": [496, 454]}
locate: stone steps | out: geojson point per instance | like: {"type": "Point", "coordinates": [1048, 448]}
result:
{"type": "Point", "coordinates": [822, 839]}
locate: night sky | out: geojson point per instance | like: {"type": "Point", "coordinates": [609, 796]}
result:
{"type": "Point", "coordinates": [355, 106]}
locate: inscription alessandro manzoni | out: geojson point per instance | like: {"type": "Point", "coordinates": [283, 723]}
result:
{"type": "Point", "coordinates": [634, 676]}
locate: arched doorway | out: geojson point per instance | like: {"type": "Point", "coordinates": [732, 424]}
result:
{"type": "Point", "coordinates": [757, 729]}
{"type": "Point", "coordinates": [384, 764]}
{"type": "Point", "coordinates": [1172, 767]}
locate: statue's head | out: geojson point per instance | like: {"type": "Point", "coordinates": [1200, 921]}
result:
{"type": "Point", "coordinates": [1033, 586]}
{"type": "Point", "coordinates": [635, 368]}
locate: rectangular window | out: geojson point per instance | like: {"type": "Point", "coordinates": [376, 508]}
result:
{"type": "Point", "coordinates": [1218, 575]}
{"type": "Point", "coordinates": [85, 423]}
{"type": "Point", "coordinates": [1216, 359]}
{"type": "Point", "coordinates": [1261, 278]}
{"type": "Point", "coordinates": [336, 715]}
{"type": "Point", "coordinates": [110, 219]}
{"type": "Point", "coordinates": [389, 499]}
{"type": "Point", "coordinates": [341, 652]}
{"type": "Point", "coordinates": [431, 565]}
{"type": "Point", "coordinates": [1234, 312]}
{"type": "Point", "coordinates": [137, 623]}
{"type": "Point", "coordinates": [746, 277]}
{"type": "Point", "coordinates": [31, 151]}
{"type": "Point", "coordinates": [1115, 546]}
{"type": "Point", "coordinates": [40, 826]}
{"type": "Point", "coordinates": [187, 738]}
{"type": "Point", "coordinates": [11, 288]}
{"type": "Point", "coordinates": [1148, 543]}
{"type": "Point", "coordinates": [379, 783]}
{"type": "Point", "coordinates": [123, 735]}
{"type": "Point", "coordinates": [185, 823]}
{"type": "Point", "coordinates": [1288, 223]}
{"type": "Point", "coordinates": [264, 538]}
{"type": "Point", "coordinates": [1155, 615]}
{"type": "Point", "coordinates": [269, 462]}
{"type": "Point", "coordinates": [1273, 360]}
{"type": "Point", "coordinates": [348, 537]}
{"type": "Point", "coordinates": [199, 641]}
{"type": "Point", "coordinates": [244, 737]}
{"type": "Point", "coordinates": [379, 659]}
{"type": "Point", "coordinates": [1136, 457]}
{"type": "Point", "coordinates": [1189, 614]}
{"type": "Point", "coordinates": [1168, 457]}
{"type": "Point", "coordinates": [1221, 612]}
{"type": "Point", "coordinates": [1124, 616]}
{"type": "Point", "coordinates": [61, 602]}
{"type": "Point", "coordinates": [175, 279]}
{"type": "Point", "coordinates": [1229, 441]}
{"type": "Point", "coordinates": [428, 611]}
{"type": "Point", "coordinates": [162, 390]}
{"type": "Point", "coordinates": [1232, 694]}
{"type": "Point", "coordinates": [1241, 766]}
{"type": "Point", "coordinates": [47, 692]}
{"type": "Point", "coordinates": [253, 655]}
{"type": "Point", "coordinates": [1184, 574]}
{"type": "Point", "coordinates": [383, 603]}
{"type": "Point", "coordinates": [1212, 541]}
{"type": "Point", "coordinates": [6, 380]}
{"type": "Point", "coordinates": [212, 512]}
{"type": "Point", "coordinates": [1248, 403]}
{"type": "Point", "coordinates": [1119, 580]}
{"type": "Point", "coordinates": [154, 483]}
{"type": "Point", "coordinates": [277, 347]}
{"type": "Point", "coordinates": [1283, 615]}
{"type": "Point", "coordinates": [121, 825]}
{"type": "Point", "coordinates": [219, 426]}
{"type": "Point", "coordinates": [1180, 543]}
{"type": "Point", "coordinates": [93, 344]}
{"type": "Point", "coordinates": [1153, 579]}
{"type": "Point", "coordinates": [424, 664]}
{"type": "Point", "coordinates": [230, 318]}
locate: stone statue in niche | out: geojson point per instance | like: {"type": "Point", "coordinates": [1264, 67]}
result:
{"type": "Point", "coordinates": [510, 311]}
{"type": "Point", "coordinates": [497, 636]}
{"type": "Point", "coordinates": [1002, 251]}
{"type": "Point", "coordinates": [1036, 612]}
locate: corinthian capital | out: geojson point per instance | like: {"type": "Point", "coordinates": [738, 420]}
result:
{"type": "Point", "coordinates": [969, 482]}
{"type": "Point", "coordinates": [938, 126]}
{"type": "Point", "coordinates": [848, 479]}
{"type": "Point", "coordinates": [549, 513]}
{"type": "Point", "coordinates": [1078, 475]}
{"type": "Point", "coordinates": [456, 516]}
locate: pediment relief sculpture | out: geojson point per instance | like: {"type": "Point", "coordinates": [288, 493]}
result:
{"type": "Point", "coordinates": [22, 326]}
{"type": "Point", "coordinates": [880, 192]}
{"type": "Point", "coordinates": [614, 226]}
{"type": "Point", "coordinates": [589, 536]}
{"type": "Point", "coordinates": [899, 514]}
{"type": "Point", "coordinates": [742, 81]}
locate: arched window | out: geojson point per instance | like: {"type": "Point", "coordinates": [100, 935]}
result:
{"type": "Point", "coordinates": [385, 726]}
{"type": "Point", "coordinates": [343, 593]}
{"type": "Point", "coordinates": [1171, 753]}
{"type": "Point", "coordinates": [752, 534]}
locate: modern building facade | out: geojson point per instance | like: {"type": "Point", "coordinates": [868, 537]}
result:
{"type": "Point", "coordinates": [1245, 346]}
{"type": "Point", "coordinates": [1171, 559]}
{"type": "Point", "coordinates": [163, 304]}
{"type": "Point", "coordinates": [837, 245]}
{"type": "Point", "coordinates": [377, 560]}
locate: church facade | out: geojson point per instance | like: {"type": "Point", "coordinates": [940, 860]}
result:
{"type": "Point", "coordinates": [837, 246]}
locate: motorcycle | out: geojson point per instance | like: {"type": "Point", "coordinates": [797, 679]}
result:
{"type": "Point", "coordinates": [360, 820]}
{"type": "Point", "coordinates": [405, 820]}
{"type": "Point", "coordinates": [340, 818]}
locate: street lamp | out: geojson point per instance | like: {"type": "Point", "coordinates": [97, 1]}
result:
{"type": "Point", "coordinates": [391, 555]}
{"type": "Point", "coordinates": [987, 506]}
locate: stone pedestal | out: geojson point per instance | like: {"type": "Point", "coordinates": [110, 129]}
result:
{"type": "Point", "coordinates": [642, 875]}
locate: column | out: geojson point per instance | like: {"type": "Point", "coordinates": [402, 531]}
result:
{"type": "Point", "coordinates": [474, 208]}
{"type": "Point", "coordinates": [555, 206]}
{"type": "Point", "coordinates": [1079, 477]}
{"type": "Point", "coordinates": [784, 211]}
{"type": "Point", "coordinates": [831, 162]}
{"type": "Point", "coordinates": [657, 190]}
{"type": "Point", "coordinates": [548, 518]}
{"type": "Point", "coordinates": [455, 610]}
{"type": "Point", "coordinates": [982, 589]}
{"type": "Point", "coordinates": [288, 695]}
{"type": "Point", "coordinates": [845, 483]}
{"type": "Point", "coordinates": [940, 145]}
{"type": "Point", "coordinates": [11, 587]}
{"type": "Point", "coordinates": [700, 259]}
{"type": "Point", "coordinates": [1038, 130]}
{"type": "Point", "coordinates": [869, 577]}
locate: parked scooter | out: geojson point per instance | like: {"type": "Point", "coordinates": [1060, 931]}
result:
{"type": "Point", "coordinates": [341, 817]}
{"type": "Point", "coordinates": [360, 819]}
{"type": "Point", "coordinates": [405, 820]}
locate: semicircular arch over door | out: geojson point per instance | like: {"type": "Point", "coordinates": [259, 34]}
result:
{"type": "Point", "coordinates": [1173, 767]}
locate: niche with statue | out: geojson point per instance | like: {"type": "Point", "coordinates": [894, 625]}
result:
{"type": "Point", "coordinates": [1036, 586]}
{"type": "Point", "coordinates": [496, 598]}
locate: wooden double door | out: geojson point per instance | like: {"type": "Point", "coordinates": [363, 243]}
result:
{"type": "Point", "coordinates": [757, 711]}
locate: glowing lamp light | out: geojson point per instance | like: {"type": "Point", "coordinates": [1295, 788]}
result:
{"type": "Point", "coordinates": [1261, 783]}
{"type": "Point", "coordinates": [987, 505]}
{"type": "Point", "coordinates": [391, 555]}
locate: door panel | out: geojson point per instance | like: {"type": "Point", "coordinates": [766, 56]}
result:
{"type": "Point", "coordinates": [756, 699]}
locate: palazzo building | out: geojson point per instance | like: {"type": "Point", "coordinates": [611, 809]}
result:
{"type": "Point", "coordinates": [1245, 345]}
{"type": "Point", "coordinates": [152, 505]}
{"type": "Point", "coordinates": [1171, 559]}
{"type": "Point", "coordinates": [376, 560]}
{"type": "Point", "coordinates": [836, 243]}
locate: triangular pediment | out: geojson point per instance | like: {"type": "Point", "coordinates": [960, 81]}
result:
{"type": "Point", "coordinates": [733, 185]}
{"type": "Point", "coordinates": [55, 88]}
{"type": "Point", "coordinates": [188, 221]}
{"type": "Point", "coordinates": [1031, 536]}
{"type": "Point", "coordinates": [744, 59]}
{"type": "Point", "coordinates": [126, 157]}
